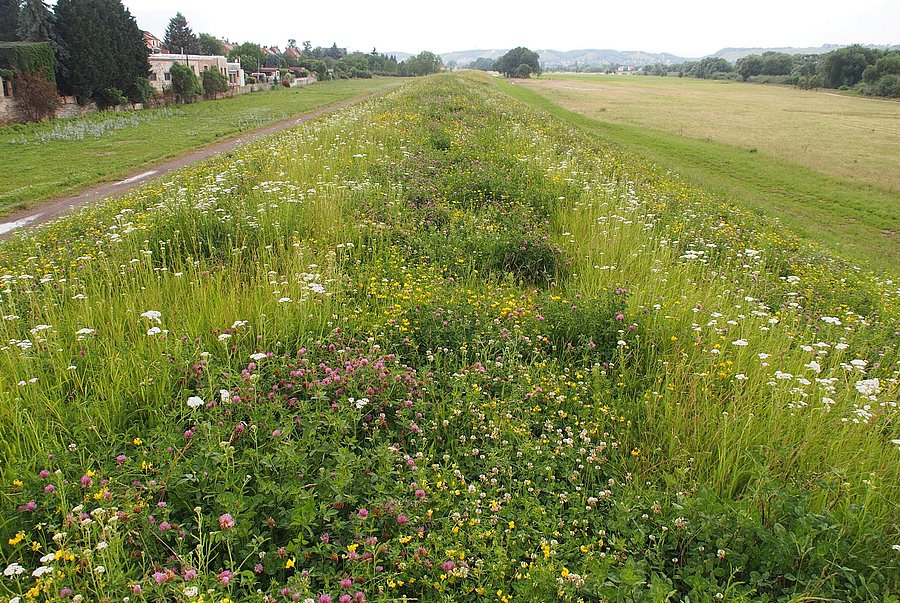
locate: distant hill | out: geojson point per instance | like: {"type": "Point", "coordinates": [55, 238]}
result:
{"type": "Point", "coordinates": [733, 54]}
{"type": "Point", "coordinates": [551, 59]}
{"type": "Point", "coordinates": [554, 59]}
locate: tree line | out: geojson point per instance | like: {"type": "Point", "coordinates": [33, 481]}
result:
{"type": "Point", "coordinates": [325, 62]}
{"type": "Point", "coordinates": [519, 62]}
{"type": "Point", "coordinates": [98, 53]}
{"type": "Point", "coordinates": [866, 70]}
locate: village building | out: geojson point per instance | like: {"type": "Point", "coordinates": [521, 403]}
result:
{"type": "Point", "coordinates": [154, 44]}
{"type": "Point", "coordinates": [161, 64]}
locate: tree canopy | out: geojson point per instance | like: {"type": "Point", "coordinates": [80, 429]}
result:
{"type": "Point", "coordinates": [208, 44]}
{"type": "Point", "coordinates": [482, 64]}
{"type": "Point", "coordinates": [102, 49]}
{"type": "Point", "coordinates": [179, 37]}
{"type": "Point", "coordinates": [511, 63]}
{"type": "Point", "coordinates": [35, 22]}
{"type": "Point", "coordinates": [9, 20]}
{"type": "Point", "coordinates": [249, 55]}
{"type": "Point", "coordinates": [845, 66]}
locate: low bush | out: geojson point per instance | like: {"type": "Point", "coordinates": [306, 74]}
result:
{"type": "Point", "coordinates": [35, 95]}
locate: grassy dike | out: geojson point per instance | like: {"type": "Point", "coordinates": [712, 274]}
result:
{"type": "Point", "coordinates": [855, 219]}
{"type": "Point", "coordinates": [441, 346]}
{"type": "Point", "coordinates": [41, 161]}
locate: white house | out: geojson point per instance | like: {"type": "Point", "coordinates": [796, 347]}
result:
{"type": "Point", "coordinates": [161, 63]}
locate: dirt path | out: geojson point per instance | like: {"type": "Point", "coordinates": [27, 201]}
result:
{"type": "Point", "coordinates": [54, 208]}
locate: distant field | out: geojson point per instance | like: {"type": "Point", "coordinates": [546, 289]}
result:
{"type": "Point", "coordinates": [40, 161]}
{"type": "Point", "coordinates": [828, 165]}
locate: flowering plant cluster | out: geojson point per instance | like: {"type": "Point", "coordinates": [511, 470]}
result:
{"type": "Point", "coordinates": [438, 347]}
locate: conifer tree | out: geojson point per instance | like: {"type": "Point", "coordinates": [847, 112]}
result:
{"type": "Point", "coordinates": [9, 19]}
{"type": "Point", "coordinates": [35, 22]}
{"type": "Point", "coordinates": [179, 37]}
{"type": "Point", "coordinates": [101, 48]}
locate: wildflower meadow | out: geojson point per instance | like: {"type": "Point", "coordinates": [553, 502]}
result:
{"type": "Point", "coordinates": [438, 346]}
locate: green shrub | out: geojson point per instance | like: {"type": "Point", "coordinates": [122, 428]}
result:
{"type": "Point", "coordinates": [140, 91]}
{"type": "Point", "coordinates": [214, 83]}
{"type": "Point", "coordinates": [185, 84]}
{"type": "Point", "coordinates": [35, 95]}
{"type": "Point", "coordinates": [111, 97]}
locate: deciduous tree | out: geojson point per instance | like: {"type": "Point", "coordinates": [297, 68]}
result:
{"type": "Point", "coordinates": [36, 95]}
{"type": "Point", "coordinates": [210, 45]}
{"type": "Point", "coordinates": [509, 64]}
{"type": "Point", "coordinates": [845, 66]}
{"type": "Point", "coordinates": [250, 56]}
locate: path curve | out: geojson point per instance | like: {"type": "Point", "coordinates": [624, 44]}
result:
{"type": "Point", "coordinates": [54, 208]}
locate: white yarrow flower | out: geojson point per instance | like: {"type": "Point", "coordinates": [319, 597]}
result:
{"type": "Point", "coordinates": [195, 402]}
{"type": "Point", "coordinates": [153, 315]}
{"type": "Point", "coordinates": [13, 569]}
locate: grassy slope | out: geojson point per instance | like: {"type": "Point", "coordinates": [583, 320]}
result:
{"type": "Point", "coordinates": [856, 220]}
{"type": "Point", "coordinates": [408, 235]}
{"type": "Point", "coordinates": [33, 171]}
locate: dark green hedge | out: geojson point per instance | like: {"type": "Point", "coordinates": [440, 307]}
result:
{"type": "Point", "coordinates": [28, 57]}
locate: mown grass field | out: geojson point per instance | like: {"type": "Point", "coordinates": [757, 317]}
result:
{"type": "Point", "coordinates": [827, 165]}
{"type": "Point", "coordinates": [40, 161]}
{"type": "Point", "coordinates": [440, 346]}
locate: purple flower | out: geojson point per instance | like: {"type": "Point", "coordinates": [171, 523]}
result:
{"type": "Point", "coordinates": [363, 513]}
{"type": "Point", "coordinates": [225, 576]}
{"type": "Point", "coordinates": [402, 520]}
{"type": "Point", "coordinates": [324, 598]}
{"type": "Point", "coordinates": [86, 481]}
{"type": "Point", "coordinates": [164, 526]}
{"type": "Point", "coordinates": [44, 474]}
{"type": "Point", "coordinates": [346, 583]}
{"type": "Point", "coordinates": [448, 566]}
{"type": "Point", "coordinates": [226, 521]}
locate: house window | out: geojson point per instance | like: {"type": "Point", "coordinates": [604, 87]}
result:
{"type": "Point", "coordinates": [7, 91]}
{"type": "Point", "coordinates": [168, 76]}
{"type": "Point", "coordinates": [205, 67]}
{"type": "Point", "coordinates": [153, 76]}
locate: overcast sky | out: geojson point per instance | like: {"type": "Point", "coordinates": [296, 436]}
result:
{"type": "Point", "coordinates": [689, 28]}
